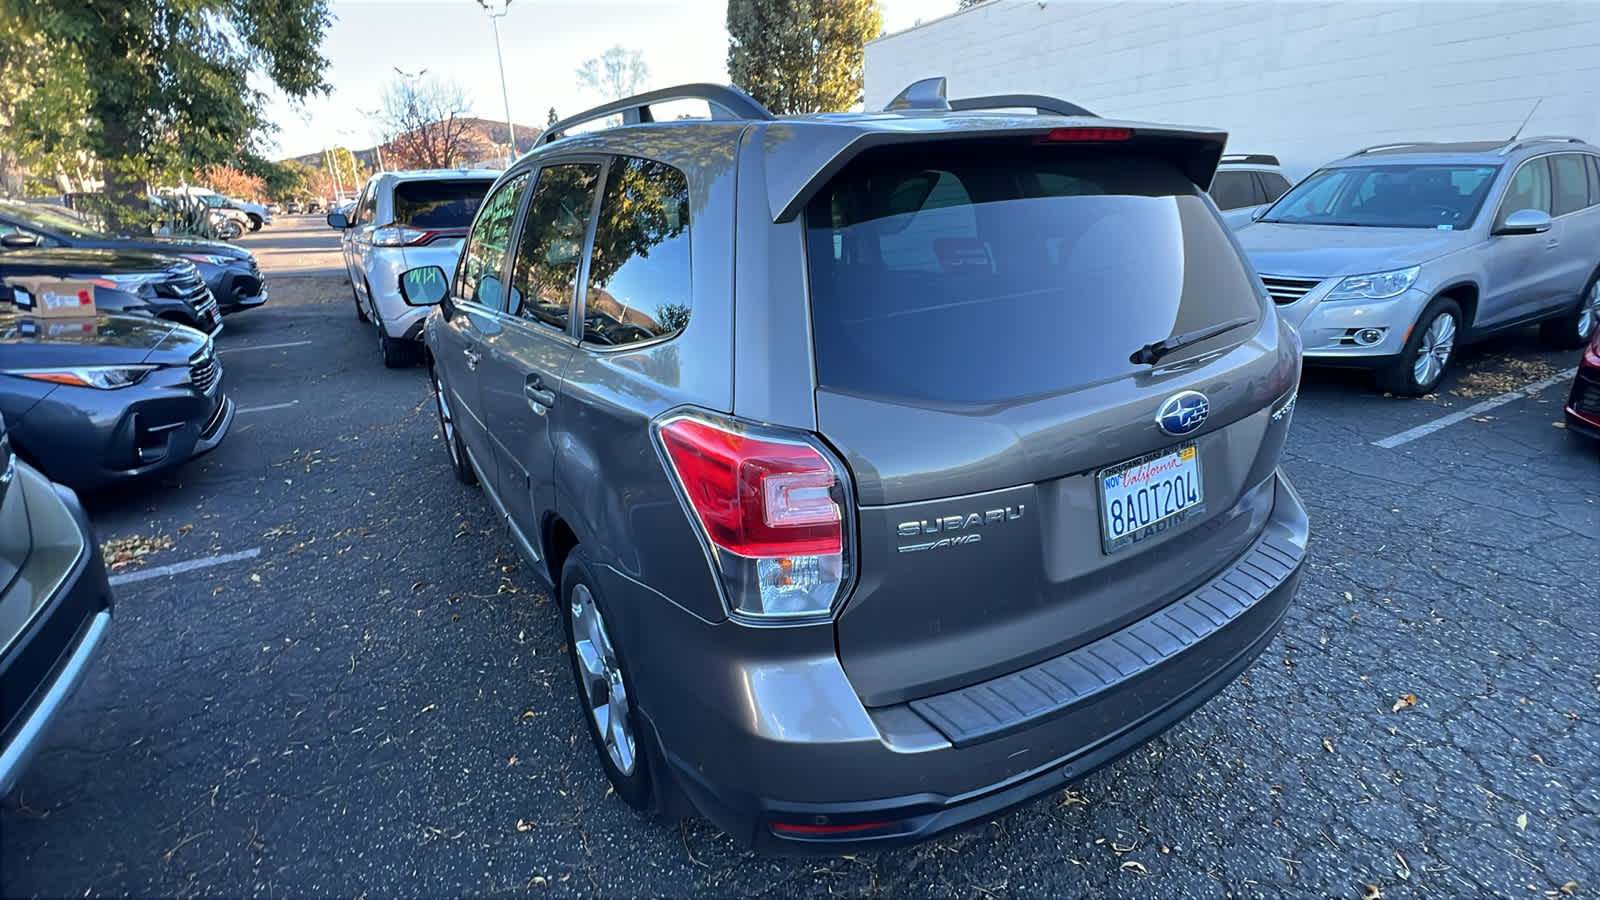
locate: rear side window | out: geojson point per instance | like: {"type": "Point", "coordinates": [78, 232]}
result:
{"type": "Point", "coordinates": [1276, 185]}
{"type": "Point", "coordinates": [484, 256]}
{"type": "Point", "coordinates": [544, 276]}
{"type": "Point", "coordinates": [1572, 183]}
{"type": "Point", "coordinates": [1231, 190]}
{"type": "Point", "coordinates": [439, 203]}
{"type": "Point", "coordinates": [984, 276]}
{"type": "Point", "coordinates": [639, 267]}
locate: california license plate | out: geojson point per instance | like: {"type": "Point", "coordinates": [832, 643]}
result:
{"type": "Point", "coordinates": [1146, 496]}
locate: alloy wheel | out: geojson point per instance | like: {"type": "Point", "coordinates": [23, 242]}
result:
{"type": "Point", "coordinates": [1433, 354]}
{"type": "Point", "coordinates": [604, 692]}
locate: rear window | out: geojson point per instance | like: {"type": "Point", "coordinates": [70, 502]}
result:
{"type": "Point", "coordinates": [977, 277]}
{"type": "Point", "coordinates": [439, 204]}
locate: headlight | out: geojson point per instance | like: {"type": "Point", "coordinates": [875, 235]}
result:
{"type": "Point", "coordinates": [125, 282]}
{"type": "Point", "coordinates": [208, 258]}
{"type": "Point", "coordinates": [103, 377]}
{"type": "Point", "coordinates": [1381, 286]}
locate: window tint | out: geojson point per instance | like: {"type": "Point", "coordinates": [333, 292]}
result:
{"type": "Point", "coordinates": [1232, 190]}
{"type": "Point", "coordinates": [367, 209]}
{"type": "Point", "coordinates": [1276, 185]}
{"type": "Point", "coordinates": [544, 274]}
{"type": "Point", "coordinates": [438, 204]}
{"type": "Point", "coordinates": [483, 257]}
{"type": "Point", "coordinates": [1594, 178]}
{"type": "Point", "coordinates": [1572, 182]}
{"type": "Point", "coordinates": [988, 276]}
{"type": "Point", "coordinates": [1529, 189]}
{"type": "Point", "coordinates": [639, 268]}
{"type": "Point", "coordinates": [1387, 196]}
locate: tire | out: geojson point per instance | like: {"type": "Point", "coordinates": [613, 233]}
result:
{"type": "Point", "coordinates": [397, 353]}
{"type": "Point", "coordinates": [1573, 328]}
{"type": "Point", "coordinates": [460, 463]}
{"type": "Point", "coordinates": [255, 222]}
{"type": "Point", "coordinates": [361, 311]}
{"type": "Point", "coordinates": [601, 677]}
{"type": "Point", "coordinates": [1434, 338]}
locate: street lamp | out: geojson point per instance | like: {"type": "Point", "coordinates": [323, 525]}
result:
{"type": "Point", "coordinates": [494, 22]}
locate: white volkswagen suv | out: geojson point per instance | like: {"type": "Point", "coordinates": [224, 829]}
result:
{"type": "Point", "coordinates": [405, 220]}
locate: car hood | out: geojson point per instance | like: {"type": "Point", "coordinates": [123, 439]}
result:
{"type": "Point", "coordinates": [30, 342]}
{"type": "Point", "coordinates": [162, 244]}
{"type": "Point", "coordinates": [81, 262]}
{"type": "Point", "coordinates": [1324, 251]}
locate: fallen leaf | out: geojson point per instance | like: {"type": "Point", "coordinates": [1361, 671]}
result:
{"type": "Point", "coordinates": [429, 708]}
{"type": "Point", "coordinates": [511, 761]}
{"type": "Point", "coordinates": [1327, 745]}
{"type": "Point", "coordinates": [255, 577]}
{"type": "Point", "coordinates": [1133, 865]}
{"type": "Point", "coordinates": [418, 586]}
{"type": "Point", "coordinates": [538, 881]}
{"type": "Point", "coordinates": [528, 715]}
{"type": "Point", "coordinates": [1559, 424]}
{"type": "Point", "coordinates": [524, 825]}
{"type": "Point", "coordinates": [1372, 893]}
{"type": "Point", "coordinates": [186, 529]}
{"type": "Point", "coordinates": [1165, 849]}
{"type": "Point", "coordinates": [1522, 821]}
{"type": "Point", "coordinates": [1406, 700]}
{"type": "Point", "coordinates": [1070, 797]}
{"type": "Point", "coordinates": [1569, 888]}
{"type": "Point", "coordinates": [1349, 596]}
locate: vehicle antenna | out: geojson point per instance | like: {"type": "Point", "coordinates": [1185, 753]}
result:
{"type": "Point", "coordinates": [1525, 121]}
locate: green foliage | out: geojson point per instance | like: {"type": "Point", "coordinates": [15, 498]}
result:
{"type": "Point", "coordinates": [287, 180]}
{"type": "Point", "coordinates": [172, 84]}
{"type": "Point", "coordinates": [43, 91]}
{"type": "Point", "coordinates": [801, 56]}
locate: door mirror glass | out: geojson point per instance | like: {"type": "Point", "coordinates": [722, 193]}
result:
{"type": "Point", "coordinates": [18, 240]}
{"type": "Point", "coordinates": [425, 286]}
{"type": "Point", "coordinates": [338, 220]}
{"type": "Point", "coordinates": [1525, 221]}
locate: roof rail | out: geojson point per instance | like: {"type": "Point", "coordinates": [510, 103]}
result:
{"type": "Point", "coordinates": [1516, 145]}
{"type": "Point", "coordinates": [726, 102]}
{"type": "Point", "coordinates": [1049, 106]}
{"type": "Point", "coordinates": [925, 94]}
{"type": "Point", "coordinates": [1376, 147]}
{"type": "Point", "coordinates": [1251, 159]}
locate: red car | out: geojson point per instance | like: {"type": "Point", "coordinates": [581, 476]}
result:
{"type": "Point", "coordinates": [1583, 406]}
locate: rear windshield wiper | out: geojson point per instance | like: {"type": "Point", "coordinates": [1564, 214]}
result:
{"type": "Point", "coordinates": [1150, 354]}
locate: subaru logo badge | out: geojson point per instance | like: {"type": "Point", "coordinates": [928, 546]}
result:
{"type": "Point", "coordinates": [1183, 413]}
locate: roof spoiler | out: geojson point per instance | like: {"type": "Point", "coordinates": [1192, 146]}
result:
{"type": "Point", "coordinates": [804, 156]}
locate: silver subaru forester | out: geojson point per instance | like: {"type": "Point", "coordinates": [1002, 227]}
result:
{"type": "Point", "coordinates": [1391, 257]}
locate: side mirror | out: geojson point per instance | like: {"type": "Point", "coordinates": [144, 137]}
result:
{"type": "Point", "coordinates": [1258, 212]}
{"type": "Point", "coordinates": [1525, 221]}
{"type": "Point", "coordinates": [17, 240]}
{"type": "Point", "coordinates": [338, 220]}
{"type": "Point", "coordinates": [425, 286]}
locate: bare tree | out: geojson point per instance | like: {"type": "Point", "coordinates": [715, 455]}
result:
{"type": "Point", "coordinates": [614, 74]}
{"type": "Point", "coordinates": [423, 123]}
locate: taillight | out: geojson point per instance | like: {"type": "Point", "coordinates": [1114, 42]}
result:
{"type": "Point", "coordinates": [1085, 134]}
{"type": "Point", "coordinates": [773, 508]}
{"type": "Point", "coordinates": [399, 236]}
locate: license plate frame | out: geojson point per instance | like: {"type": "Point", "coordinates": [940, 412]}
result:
{"type": "Point", "coordinates": [1186, 458]}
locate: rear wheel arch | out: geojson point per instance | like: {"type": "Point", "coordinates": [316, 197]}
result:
{"type": "Point", "coordinates": [558, 540]}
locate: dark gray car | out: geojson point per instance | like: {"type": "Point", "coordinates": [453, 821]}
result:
{"type": "Point", "coordinates": [890, 468]}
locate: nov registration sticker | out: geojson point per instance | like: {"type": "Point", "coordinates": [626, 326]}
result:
{"type": "Point", "coordinates": [1146, 496]}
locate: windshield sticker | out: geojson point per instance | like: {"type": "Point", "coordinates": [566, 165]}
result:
{"type": "Point", "coordinates": [1447, 228]}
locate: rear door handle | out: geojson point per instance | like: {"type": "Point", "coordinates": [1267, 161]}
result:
{"type": "Point", "coordinates": [537, 394]}
{"type": "Point", "coordinates": [473, 358]}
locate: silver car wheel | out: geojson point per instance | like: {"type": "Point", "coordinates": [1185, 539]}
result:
{"type": "Point", "coordinates": [447, 421]}
{"type": "Point", "coordinates": [1433, 354]}
{"type": "Point", "coordinates": [603, 689]}
{"type": "Point", "coordinates": [1589, 314]}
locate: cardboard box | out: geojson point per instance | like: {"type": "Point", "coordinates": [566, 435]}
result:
{"type": "Point", "coordinates": [53, 297]}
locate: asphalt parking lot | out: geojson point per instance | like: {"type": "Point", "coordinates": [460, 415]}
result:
{"type": "Point", "coordinates": [328, 674]}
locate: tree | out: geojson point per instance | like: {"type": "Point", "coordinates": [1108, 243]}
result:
{"type": "Point", "coordinates": [43, 91]}
{"type": "Point", "coordinates": [236, 183]}
{"type": "Point", "coordinates": [173, 85]}
{"type": "Point", "coordinates": [347, 171]}
{"type": "Point", "coordinates": [614, 74]}
{"type": "Point", "coordinates": [801, 56]}
{"type": "Point", "coordinates": [279, 180]}
{"type": "Point", "coordinates": [424, 125]}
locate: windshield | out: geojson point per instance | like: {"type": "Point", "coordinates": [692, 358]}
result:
{"type": "Point", "coordinates": [45, 220]}
{"type": "Point", "coordinates": [1445, 197]}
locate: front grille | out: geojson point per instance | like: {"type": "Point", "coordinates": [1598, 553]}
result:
{"type": "Point", "coordinates": [1285, 291]}
{"type": "Point", "coordinates": [204, 370]}
{"type": "Point", "coordinates": [1586, 393]}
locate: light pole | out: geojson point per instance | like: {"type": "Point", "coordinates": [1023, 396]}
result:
{"type": "Point", "coordinates": [511, 130]}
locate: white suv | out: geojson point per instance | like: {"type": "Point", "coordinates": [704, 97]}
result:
{"type": "Point", "coordinates": [405, 220]}
{"type": "Point", "coordinates": [1246, 182]}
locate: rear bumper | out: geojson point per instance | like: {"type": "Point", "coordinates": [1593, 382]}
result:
{"type": "Point", "coordinates": [790, 745]}
{"type": "Point", "coordinates": [48, 659]}
{"type": "Point", "coordinates": [1583, 404]}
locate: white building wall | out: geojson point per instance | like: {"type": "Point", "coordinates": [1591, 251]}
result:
{"type": "Point", "coordinates": [1308, 81]}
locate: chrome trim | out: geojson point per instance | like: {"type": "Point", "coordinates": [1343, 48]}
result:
{"type": "Point", "coordinates": [25, 743]}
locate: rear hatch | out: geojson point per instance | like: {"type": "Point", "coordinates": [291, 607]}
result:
{"type": "Point", "coordinates": [975, 309]}
{"type": "Point", "coordinates": [433, 216]}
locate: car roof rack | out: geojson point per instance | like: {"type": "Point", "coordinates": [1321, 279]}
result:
{"type": "Point", "coordinates": [1397, 146]}
{"type": "Point", "coordinates": [726, 103]}
{"type": "Point", "coordinates": [1039, 103]}
{"type": "Point", "coordinates": [1251, 159]}
{"type": "Point", "coordinates": [1516, 145]}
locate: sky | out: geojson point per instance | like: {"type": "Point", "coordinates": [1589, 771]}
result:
{"type": "Point", "coordinates": [544, 42]}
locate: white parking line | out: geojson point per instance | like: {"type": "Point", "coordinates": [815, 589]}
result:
{"type": "Point", "coordinates": [251, 409]}
{"type": "Point", "coordinates": [263, 347]}
{"type": "Point", "coordinates": [1476, 409]}
{"type": "Point", "coordinates": [187, 566]}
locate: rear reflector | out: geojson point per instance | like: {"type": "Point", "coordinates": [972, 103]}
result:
{"type": "Point", "coordinates": [786, 828]}
{"type": "Point", "coordinates": [1085, 134]}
